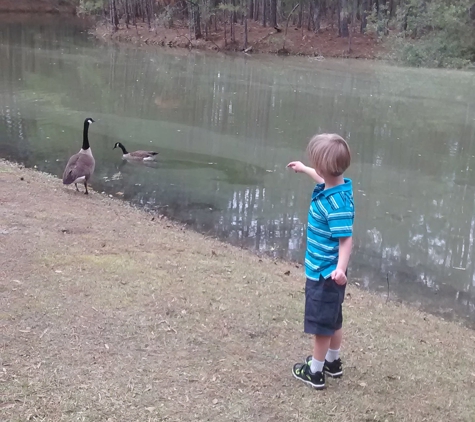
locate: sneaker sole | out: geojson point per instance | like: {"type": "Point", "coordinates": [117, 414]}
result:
{"type": "Point", "coordinates": [334, 375]}
{"type": "Point", "coordinates": [316, 387]}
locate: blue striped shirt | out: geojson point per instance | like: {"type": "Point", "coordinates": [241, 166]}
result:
{"type": "Point", "coordinates": [330, 217]}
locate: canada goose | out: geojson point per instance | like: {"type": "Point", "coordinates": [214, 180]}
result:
{"type": "Point", "coordinates": [136, 155]}
{"type": "Point", "coordinates": [81, 165]}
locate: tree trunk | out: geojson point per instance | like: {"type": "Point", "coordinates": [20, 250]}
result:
{"type": "Point", "coordinates": [148, 11]}
{"type": "Point", "coordinates": [233, 28]}
{"type": "Point", "coordinates": [344, 18]}
{"type": "Point", "coordinates": [273, 13]}
{"type": "Point", "coordinates": [251, 9]}
{"type": "Point", "coordinates": [127, 15]}
{"type": "Point", "coordinates": [364, 15]}
{"type": "Point", "coordinates": [245, 32]}
{"type": "Point", "coordinates": [300, 21]}
{"type": "Point", "coordinates": [234, 14]}
{"type": "Point", "coordinates": [316, 16]}
{"type": "Point", "coordinates": [225, 38]}
{"type": "Point", "coordinates": [197, 21]}
{"type": "Point", "coordinates": [114, 18]}
{"type": "Point", "coordinates": [134, 13]}
{"type": "Point", "coordinates": [264, 13]}
{"type": "Point", "coordinates": [310, 10]}
{"type": "Point", "coordinates": [215, 7]}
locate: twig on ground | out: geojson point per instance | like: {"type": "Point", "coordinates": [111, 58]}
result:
{"type": "Point", "coordinates": [387, 281]}
{"type": "Point", "coordinates": [170, 328]}
{"type": "Point", "coordinates": [44, 332]}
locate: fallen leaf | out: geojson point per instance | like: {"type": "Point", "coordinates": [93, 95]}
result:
{"type": "Point", "coordinates": [287, 272]}
{"type": "Point", "coordinates": [150, 409]}
{"type": "Point", "coordinates": [106, 346]}
{"type": "Point", "coordinates": [215, 401]}
{"type": "Point", "coordinates": [362, 384]}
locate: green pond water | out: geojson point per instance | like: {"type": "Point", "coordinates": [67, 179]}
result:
{"type": "Point", "coordinates": [226, 127]}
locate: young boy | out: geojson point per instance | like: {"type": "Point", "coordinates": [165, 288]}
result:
{"type": "Point", "coordinates": [329, 242]}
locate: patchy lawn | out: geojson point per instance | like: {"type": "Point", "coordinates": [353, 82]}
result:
{"type": "Point", "coordinates": [108, 315]}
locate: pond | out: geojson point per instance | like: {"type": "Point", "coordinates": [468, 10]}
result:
{"type": "Point", "coordinates": [225, 128]}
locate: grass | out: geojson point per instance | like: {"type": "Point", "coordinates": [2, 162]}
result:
{"type": "Point", "coordinates": [106, 315]}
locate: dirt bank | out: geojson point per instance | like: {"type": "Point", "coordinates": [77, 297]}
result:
{"type": "Point", "coordinates": [37, 6]}
{"type": "Point", "coordinates": [326, 43]}
{"type": "Point", "coordinates": [108, 314]}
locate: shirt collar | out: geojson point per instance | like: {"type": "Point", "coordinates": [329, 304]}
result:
{"type": "Point", "coordinates": [320, 189]}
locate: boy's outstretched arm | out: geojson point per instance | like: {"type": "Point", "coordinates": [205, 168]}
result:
{"type": "Point", "coordinates": [299, 167]}
{"type": "Point", "coordinates": [344, 253]}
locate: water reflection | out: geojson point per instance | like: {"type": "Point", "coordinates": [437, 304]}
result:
{"type": "Point", "coordinates": [225, 128]}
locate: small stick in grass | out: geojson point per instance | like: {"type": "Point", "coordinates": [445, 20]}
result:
{"type": "Point", "coordinates": [387, 281]}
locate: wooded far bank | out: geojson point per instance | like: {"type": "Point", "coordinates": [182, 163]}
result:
{"type": "Point", "coordinates": [431, 33]}
{"type": "Point", "coordinates": [434, 33]}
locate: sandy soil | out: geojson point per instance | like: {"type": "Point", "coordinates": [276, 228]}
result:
{"type": "Point", "coordinates": [108, 313]}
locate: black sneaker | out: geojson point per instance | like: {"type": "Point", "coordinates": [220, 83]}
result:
{"type": "Point", "coordinates": [333, 369]}
{"type": "Point", "coordinates": [302, 372]}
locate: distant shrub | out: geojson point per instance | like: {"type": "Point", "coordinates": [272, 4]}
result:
{"type": "Point", "coordinates": [438, 33]}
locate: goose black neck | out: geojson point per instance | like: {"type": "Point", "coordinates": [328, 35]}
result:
{"type": "Point", "coordinates": [124, 151]}
{"type": "Point", "coordinates": [85, 138]}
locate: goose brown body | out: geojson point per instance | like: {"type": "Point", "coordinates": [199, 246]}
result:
{"type": "Point", "coordinates": [136, 155]}
{"type": "Point", "coordinates": [80, 166]}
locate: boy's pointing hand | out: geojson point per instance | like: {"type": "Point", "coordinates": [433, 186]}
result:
{"type": "Point", "coordinates": [297, 166]}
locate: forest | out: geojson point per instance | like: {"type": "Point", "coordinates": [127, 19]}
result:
{"type": "Point", "coordinates": [432, 33]}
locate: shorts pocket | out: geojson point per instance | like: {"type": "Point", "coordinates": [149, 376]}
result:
{"type": "Point", "coordinates": [322, 309]}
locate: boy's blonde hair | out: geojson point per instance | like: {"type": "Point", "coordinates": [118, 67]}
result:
{"type": "Point", "coordinates": [329, 154]}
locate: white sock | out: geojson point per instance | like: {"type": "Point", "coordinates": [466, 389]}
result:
{"type": "Point", "coordinates": [332, 355]}
{"type": "Point", "coordinates": [316, 366]}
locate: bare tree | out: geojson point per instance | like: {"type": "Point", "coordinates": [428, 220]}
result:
{"type": "Point", "coordinates": [113, 14]}
{"type": "Point", "coordinates": [344, 18]}
{"type": "Point", "coordinates": [273, 13]}
{"type": "Point", "coordinates": [264, 13]}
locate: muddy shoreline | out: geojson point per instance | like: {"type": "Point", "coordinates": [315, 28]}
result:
{"type": "Point", "coordinates": [324, 44]}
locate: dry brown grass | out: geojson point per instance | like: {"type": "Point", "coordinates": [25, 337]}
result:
{"type": "Point", "coordinates": [106, 315]}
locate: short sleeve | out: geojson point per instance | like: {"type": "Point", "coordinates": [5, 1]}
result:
{"type": "Point", "coordinates": [340, 219]}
